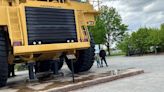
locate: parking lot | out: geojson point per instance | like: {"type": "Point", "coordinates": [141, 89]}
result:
{"type": "Point", "coordinates": [151, 81]}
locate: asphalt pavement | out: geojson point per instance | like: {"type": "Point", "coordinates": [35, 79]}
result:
{"type": "Point", "coordinates": [151, 81]}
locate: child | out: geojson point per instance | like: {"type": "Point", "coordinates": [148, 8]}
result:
{"type": "Point", "coordinates": [97, 58]}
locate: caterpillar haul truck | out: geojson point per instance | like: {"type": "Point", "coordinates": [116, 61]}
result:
{"type": "Point", "coordinates": [45, 31]}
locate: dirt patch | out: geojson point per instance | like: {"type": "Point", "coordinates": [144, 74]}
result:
{"type": "Point", "coordinates": [82, 79]}
{"type": "Point", "coordinates": [25, 89]}
{"type": "Point", "coordinates": [59, 84]}
{"type": "Point", "coordinates": [51, 82]}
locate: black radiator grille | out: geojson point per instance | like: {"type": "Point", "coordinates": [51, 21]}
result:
{"type": "Point", "coordinates": [49, 25]}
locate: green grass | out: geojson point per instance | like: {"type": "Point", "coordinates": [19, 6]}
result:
{"type": "Point", "coordinates": [118, 54]}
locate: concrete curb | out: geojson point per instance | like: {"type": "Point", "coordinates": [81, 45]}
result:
{"type": "Point", "coordinates": [88, 83]}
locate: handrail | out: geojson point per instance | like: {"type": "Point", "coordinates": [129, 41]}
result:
{"type": "Point", "coordinates": [20, 26]}
{"type": "Point", "coordinates": [9, 23]}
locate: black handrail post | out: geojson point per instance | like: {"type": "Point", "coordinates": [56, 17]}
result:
{"type": "Point", "coordinates": [73, 77]}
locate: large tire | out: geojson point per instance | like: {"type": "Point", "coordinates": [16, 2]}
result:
{"type": "Point", "coordinates": [3, 59]}
{"type": "Point", "coordinates": [44, 66]}
{"type": "Point", "coordinates": [85, 59]}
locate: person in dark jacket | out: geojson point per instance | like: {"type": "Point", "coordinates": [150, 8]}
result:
{"type": "Point", "coordinates": [102, 54]}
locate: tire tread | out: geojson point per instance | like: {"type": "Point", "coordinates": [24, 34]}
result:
{"type": "Point", "coordinates": [3, 60]}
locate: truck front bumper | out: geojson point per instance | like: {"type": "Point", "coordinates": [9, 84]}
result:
{"type": "Point", "coordinates": [22, 50]}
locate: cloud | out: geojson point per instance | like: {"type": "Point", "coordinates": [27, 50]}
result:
{"type": "Point", "coordinates": [139, 13]}
{"type": "Point", "coordinates": [155, 6]}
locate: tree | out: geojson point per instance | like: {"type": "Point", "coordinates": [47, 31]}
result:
{"type": "Point", "coordinates": [154, 38]}
{"type": "Point", "coordinates": [161, 36]}
{"type": "Point", "coordinates": [143, 39]}
{"type": "Point", "coordinates": [124, 44]}
{"type": "Point", "coordinates": [136, 43]}
{"type": "Point", "coordinates": [113, 25]}
{"type": "Point", "coordinates": [140, 40]}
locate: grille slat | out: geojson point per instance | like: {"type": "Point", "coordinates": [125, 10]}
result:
{"type": "Point", "coordinates": [50, 20]}
{"type": "Point", "coordinates": [50, 25]}
{"type": "Point", "coordinates": [43, 32]}
{"type": "Point", "coordinates": [54, 28]}
{"type": "Point", "coordinates": [50, 35]}
{"type": "Point", "coordinates": [49, 16]}
{"type": "Point", "coordinates": [50, 13]}
{"type": "Point", "coordinates": [34, 9]}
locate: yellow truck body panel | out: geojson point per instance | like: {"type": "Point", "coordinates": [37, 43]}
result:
{"type": "Point", "coordinates": [13, 17]}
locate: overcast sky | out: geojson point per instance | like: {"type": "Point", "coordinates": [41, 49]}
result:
{"type": "Point", "coordinates": [139, 13]}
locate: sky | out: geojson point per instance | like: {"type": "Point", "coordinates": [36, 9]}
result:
{"type": "Point", "coordinates": [138, 13]}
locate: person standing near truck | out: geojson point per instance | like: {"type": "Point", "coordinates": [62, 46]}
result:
{"type": "Point", "coordinates": [97, 59]}
{"type": "Point", "coordinates": [102, 54]}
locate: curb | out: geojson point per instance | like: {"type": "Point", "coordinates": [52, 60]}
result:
{"type": "Point", "coordinates": [100, 80]}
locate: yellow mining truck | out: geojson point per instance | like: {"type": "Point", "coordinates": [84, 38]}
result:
{"type": "Point", "coordinates": [45, 31]}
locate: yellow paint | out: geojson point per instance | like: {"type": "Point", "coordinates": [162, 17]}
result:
{"type": "Point", "coordinates": [18, 50]}
{"type": "Point", "coordinates": [13, 16]}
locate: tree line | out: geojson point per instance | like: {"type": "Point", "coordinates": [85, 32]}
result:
{"type": "Point", "coordinates": [108, 27]}
{"type": "Point", "coordinates": [144, 40]}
